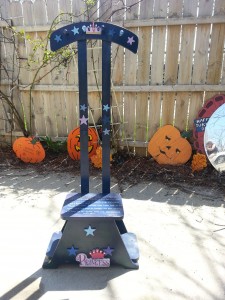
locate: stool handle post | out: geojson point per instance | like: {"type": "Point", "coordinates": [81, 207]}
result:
{"type": "Point", "coordinates": [83, 105]}
{"type": "Point", "coordinates": [106, 78]}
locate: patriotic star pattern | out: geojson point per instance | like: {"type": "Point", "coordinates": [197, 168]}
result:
{"type": "Point", "coordinates": [70, 33]}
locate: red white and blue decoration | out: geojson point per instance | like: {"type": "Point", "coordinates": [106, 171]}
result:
{"type": "Point", "coordinates": [200, 122]}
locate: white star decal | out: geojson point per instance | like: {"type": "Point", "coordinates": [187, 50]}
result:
{"type": "Point", "coordinates": [130, 40]}
{"type": "Point", "coordinates": [83, 120]}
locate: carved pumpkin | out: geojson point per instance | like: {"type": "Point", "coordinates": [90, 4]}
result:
{"type": "Point", "coordinates": [168, 147]}
{"type": "Point", "coordinates": [29, 149]}
{"type": "Point", "coordinates": [73, 143]}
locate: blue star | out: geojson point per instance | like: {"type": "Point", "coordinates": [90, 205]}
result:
{"type": "Point", "coordinates": [58, 38]}
{"type": "Point", "coordinates": [83, 107]}
{"type": "Point", "coordinates": [111, 32]}
{"type": "Point", "coordinates": [106, 107]}
{"type": "Point", "coordinates": [108, 251]}
{"type": "Point", "coordinates": [89, 231]}
{"type": "Point", "coordinates": [72, 251]}
{"type": "Point", "coordinates": [75, 30]}
{"type": "Point", "coordinates": [83, 120]}
{"type": "Point", "coordinates": [106, 120]}
{"type": "Point", "coordinates": [106, 131]}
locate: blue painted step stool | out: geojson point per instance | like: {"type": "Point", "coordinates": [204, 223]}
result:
{"type": "Point", "coordinates": [94, 234]}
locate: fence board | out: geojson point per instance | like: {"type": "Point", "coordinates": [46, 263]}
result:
{"type": "Point", "coordinates": [202, 44]}
{"type": "Point", "coordinates": [49, 114]}
{"type": "Point", "coordinates": [17, 20]}
{"type": "Point", "coordinates": [154, 113]}
{"type": "Point", "coordinates": [185, 65]}
{"type": "Point", "coordinates": [146, 9]}
{"type": "Point", "coordinates": [117, 120]}
{"type": "Point", "coordinates": [216, 56]}
{"type": "Point", "coordinates": [38, 110]}
{"type": "Point", "coordinates": [28, 110]}
{"type": "Point", "coordinates": [15, 9]}
{"type": "Point", "coordinates": [130, 78]}
{"type": "Point", "coordinates": [40, 12]}
{"type": "Point", "coordinates": [52, 10]}
{"type": "Point", "coordinates": [195, 105]}
{"type": "Point", "coordinates": [60, 114]}
{"type": "Point", "coordinates": [182, 101]}
{"type": "Point", "coordinates": [105, 10]}
{"type": "Point", "coordinates": [72, 110]}
{"type": "Point", "coordinates": [65, 6]}
{"type": "Point", "coordinates": [16, 99]}
{"type": "Point", "coordinates": [4, 108]}
{"type": "Point", "coordinates": [200, 60]}
{"type": "Point", "coordinates": [117, 51]}
{"type": "Point", "coordinates": [117, 70]}
{"type": "Point", "coordinates": [94, 107]}
{"type": "Point", "coordinates": [4, 60]}
{"type": "Point", "coordinates": [72, 70]}
{"type": "Point", "coordinates": [44, 74]}
{"type": "Point", "coordinates": [16, 13]}
{"type": "Point", "coordinates": [143, 75]}
{"type": "Point", "coordinates": [171, 64]}
{"type": "Point", "coordinates": [28, 13]}
{"type": "Point", "coordinates": [163, 70]}
{"type": "Point", "coordinates": [5, 9]}
{"type": "Point", "coordinates": [168, 108]}
{"type": "Point", "coordinates": [78, 7]}
{"type": "Point", "coordinates": [157, 67]}
{"type": "Point", "coordinates": [93, 52]}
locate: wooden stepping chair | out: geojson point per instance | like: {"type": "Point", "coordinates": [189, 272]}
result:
{"type": "Point", "coordinates": [94, 234]}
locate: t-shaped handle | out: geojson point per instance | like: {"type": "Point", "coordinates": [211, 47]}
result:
{"type": "Point", "coordinates": [98, 31]}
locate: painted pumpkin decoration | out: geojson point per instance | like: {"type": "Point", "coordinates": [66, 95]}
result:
{"type": "Point", "coordinates": [96, 159]}
{"type": "Point", "coordinates": [29, 149]}
{"type": "Point", "coordinates": [168, 147]}
{"type": "Point", "coordinates": [73, 143]}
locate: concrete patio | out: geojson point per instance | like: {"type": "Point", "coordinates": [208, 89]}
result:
{"type": "Point", "coordinates": [180, 240]}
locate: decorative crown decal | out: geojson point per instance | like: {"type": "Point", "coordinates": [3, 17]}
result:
{"type": "Point", "coordinates": [97, 254]}
{"type": "Point", "coordinates": [93, 29]}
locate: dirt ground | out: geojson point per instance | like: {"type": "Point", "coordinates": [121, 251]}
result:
{"type": "Point", "coordinates": [127, 169]}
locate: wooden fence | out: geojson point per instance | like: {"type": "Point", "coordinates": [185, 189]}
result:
{"type": "Point", "coordinates": [179, 65]}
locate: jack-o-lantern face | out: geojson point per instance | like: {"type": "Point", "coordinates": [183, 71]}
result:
{"type": "Point", "coordinates": [168, 147]}
{"type": "Point", "coordinates": [73, 143]}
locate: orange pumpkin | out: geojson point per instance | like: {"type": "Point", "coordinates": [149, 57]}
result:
{"type": "Point", "coordinates": [29, 149]}
{"type": "Point", "coordinates": [73, 143]}
{"type": "Point", "coordinates": [97, 158]}
{"type": "Point", "coordinates": [168, 147]}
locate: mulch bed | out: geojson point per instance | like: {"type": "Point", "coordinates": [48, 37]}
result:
{"type": "Point", "coordinates": [127, 169]}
